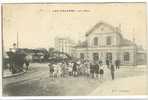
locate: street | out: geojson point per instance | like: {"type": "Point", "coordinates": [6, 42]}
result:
{"type": "Point", "coordinates": [36, 82]}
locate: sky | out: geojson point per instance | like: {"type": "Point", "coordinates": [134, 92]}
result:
{"type": "Point", "coordinates": [37, 25]}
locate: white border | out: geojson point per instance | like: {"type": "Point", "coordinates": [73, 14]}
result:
{"type": "Point", "coordinates": [81, 97]}
{"type": "Point", "coordinates": [64, 1]}
{"type": "Point", "coordinates": [67, 97]}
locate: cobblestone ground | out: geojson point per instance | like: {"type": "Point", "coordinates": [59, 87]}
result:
{"type": "Point", "coordinates": [36, 82]}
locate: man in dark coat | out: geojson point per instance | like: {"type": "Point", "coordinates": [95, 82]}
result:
{"type": "Point", "coordinates": [74, 69]}
{"type": "Point", "coordinates": [117, 62]}
{"type": "Point", "coordinates": [112, 71]}
{"type": "Point", "coordinates": [92, 70]}
{"type": "Point", "coordinates": [11, 61]}
{"type": "Point", "coordinates": [96, 69]}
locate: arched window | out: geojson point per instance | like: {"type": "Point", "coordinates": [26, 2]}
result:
{"type": "Point", "coordinates": [95, 56]}
{"type": "Point", "coordinates": [126, 56]}
{"type": "Point", "coordinates": [95, 41]}
{"type": "Point", "coordinates": [109, 56]}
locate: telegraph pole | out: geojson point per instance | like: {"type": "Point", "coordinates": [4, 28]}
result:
{"type": "Point", "coordinates": [86, 37]}
{"type": "Point", "coordinates": [135, 47]}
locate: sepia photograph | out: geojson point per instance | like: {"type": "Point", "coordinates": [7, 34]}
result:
{"type": "Point", "coordinates": [74, 49]}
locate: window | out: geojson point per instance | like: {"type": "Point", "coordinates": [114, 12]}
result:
{"type": "Point", "coordinates": [126, 56]}
{"type": "Point", "coordinates": [109, 56]}
{"type": "Point", "coordinates": [81, 55]}
{"type": "Point", "coordinates": [108, 40]}
{"type": "Point", "coordinates": [95, 56]}
{"type": "Point", "coordinates": [95, 41]}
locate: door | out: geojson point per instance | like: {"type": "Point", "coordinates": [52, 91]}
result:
{"type": "Point", "coordinates": [109, 56]}
{"type": "Point", "coordinates": [95, 56]}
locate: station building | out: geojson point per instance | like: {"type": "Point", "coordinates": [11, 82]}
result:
{"type": "Point", "coordinates": [104, 41]}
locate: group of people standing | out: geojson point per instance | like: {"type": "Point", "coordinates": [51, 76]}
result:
{"type": "Point", "coordinates": [92, 69]}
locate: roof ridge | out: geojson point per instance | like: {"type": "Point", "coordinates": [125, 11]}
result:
{"type": "Point", "coordinates": [98, 24]}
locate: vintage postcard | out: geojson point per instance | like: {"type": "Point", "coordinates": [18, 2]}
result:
{"type": "Point", "coordinates": [74, 49]}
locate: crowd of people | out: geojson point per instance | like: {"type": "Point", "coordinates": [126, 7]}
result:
{"type": "Point", "coordinates": [92, 69]}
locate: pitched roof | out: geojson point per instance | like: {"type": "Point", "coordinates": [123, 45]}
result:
{"type": "Point", "coordinates": [123, 42]}
{"type": "Point", "coordinates": [99, 24]}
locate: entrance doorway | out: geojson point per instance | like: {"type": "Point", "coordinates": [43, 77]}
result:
{"type": "Point", "coordinates": [95, 56]}
{"type": "Point", "coordinates": [109, 56]}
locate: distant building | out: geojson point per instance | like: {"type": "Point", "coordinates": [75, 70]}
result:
{"type": "Point", "coordinates": [105, 42]}
{"type": "Point", "coordinates": [64, 45]}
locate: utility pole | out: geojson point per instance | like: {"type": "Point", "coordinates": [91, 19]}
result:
{"type": "Point", "coordinates": [135, 50]}
{"type": "Point", "coordinates": [86, 37]}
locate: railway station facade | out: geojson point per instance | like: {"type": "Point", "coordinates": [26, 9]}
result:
{"type": "Point", "coordinates": [104, 41]}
